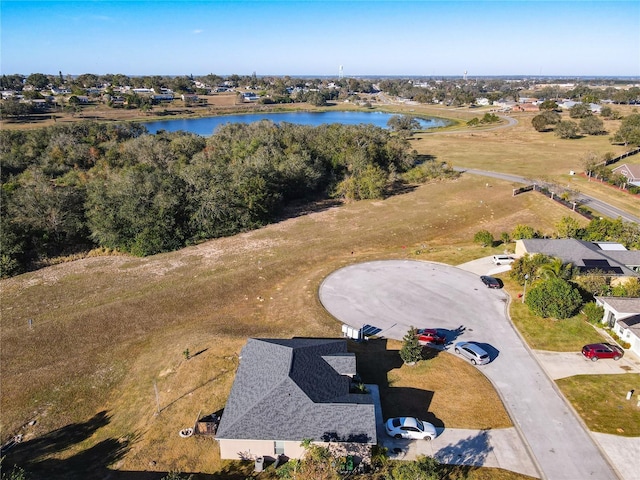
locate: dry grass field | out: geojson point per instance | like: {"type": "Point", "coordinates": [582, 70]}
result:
{"type": "Point", "coordinates": [104, 330]}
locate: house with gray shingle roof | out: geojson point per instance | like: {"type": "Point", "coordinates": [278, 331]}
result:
{"type": "Point", "coordinates": [631, 171]}
{"type": "Point", "coordinates": [612, 258]}
{"type": "Point", "coordinates": [622, 314]}
{"type": "Point", "coordinates": [290, 390]}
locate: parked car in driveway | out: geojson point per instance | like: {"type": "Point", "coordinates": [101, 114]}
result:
{"type": "Point", "coordinates": [410, 427]}
{"type": "Point", "coordinates": [430, 335]}
{"type": "Point", "coordinates": [502, 259]}
{"type": "Point", "coordinates": [472, 352]}
{"type": "Point", "coordinates": [596, 351]}
{"type": "Point", "coordinates": [490, 282]}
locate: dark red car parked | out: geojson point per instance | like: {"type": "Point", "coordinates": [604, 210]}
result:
{"type": "Point", "coordinates": [430, 335]}
{"type": "Point", "coordinates": [596, 351]}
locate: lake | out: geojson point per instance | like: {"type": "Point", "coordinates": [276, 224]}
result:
{"type": "Point", "coordinates": [206, 126]}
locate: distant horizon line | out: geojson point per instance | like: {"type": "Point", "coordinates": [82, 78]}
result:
{"type": "Point", "coordinates": [311, 75]}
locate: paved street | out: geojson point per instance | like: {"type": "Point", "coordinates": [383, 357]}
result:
{"type": "Point", "coordinates": [394, 295]}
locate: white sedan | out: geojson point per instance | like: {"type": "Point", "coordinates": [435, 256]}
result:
{"type": "Point", "coordinates": [409, 427]}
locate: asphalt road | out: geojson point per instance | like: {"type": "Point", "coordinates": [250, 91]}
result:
{"type": "Point", "coordinates": [393, 295]}
{"type": "Point", "coordinates": [592, 202]}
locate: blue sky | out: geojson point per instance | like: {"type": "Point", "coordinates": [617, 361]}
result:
{"type": "Point", "coordinates": [419, 37]}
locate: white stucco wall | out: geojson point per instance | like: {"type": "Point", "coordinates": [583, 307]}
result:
{"type": "Point", "coordinates": [250, 449]}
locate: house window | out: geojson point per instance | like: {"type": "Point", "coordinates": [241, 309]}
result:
{"type": "Point", "coordinates": [278, 447]}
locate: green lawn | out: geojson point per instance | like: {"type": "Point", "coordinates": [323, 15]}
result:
{"type": "Point", "coordinates": [601, 402]}
{"type": "Point", "coordinates": [550, 334]}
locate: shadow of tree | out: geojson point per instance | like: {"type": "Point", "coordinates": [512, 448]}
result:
{"type": "Point", "coordinates": [40, 457]}
{"type": "Point", "coordinates": [451, 335]}
{"type": "Point", "coordinates": [472, 450]}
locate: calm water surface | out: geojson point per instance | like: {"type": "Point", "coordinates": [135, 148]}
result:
{"type": "Point", "coordinates": [207, 126]}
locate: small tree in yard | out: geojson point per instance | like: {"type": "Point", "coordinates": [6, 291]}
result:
{"type": "Point", "coordinates": [554, 298]}
{"type": "Point", "coordinates": [411, 351]}
{"type": "Point", "coordinates": [484, 238]}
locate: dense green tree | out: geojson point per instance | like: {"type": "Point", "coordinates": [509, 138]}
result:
{"type": "Point", "coordinates": [542, 121]}
{"type": "Point", "coordinates": [523, 232]}
{"type": "Point", "coordinates": [580, 110]}
{"type": "Point", "coordinates": [567, 129]}
{"type": "Point", "coordinates": [15, 108]}
{"type": "Point", "coordinates": [484, 238]}
{"type": "Point", "coordinates": [592, 126]}
{"type": "Point", "coordinates": [528, 265]}
{"type": "Point", "coordinates": [548, 105]}
{"type": "Point", "coordinates": [629, 131]}
{"type": "Point", "coordinates": [51, 214]}
{"type": "Point", "coordinates": [553, 298]}
{"type": "Point", "coordinates": [568, 227]}
{"type": "Point", "coordinates": [137, 210]}
{"type": "Point", "coordinates": [12, 82]}
{"type": "Point", "coordinates": [603, 229]}
{"type": "Point", "coordinates": [37, 80]}
{"type": "Point", "coordinates": [606, 111]}
{"type": "Point", "coordinates": [539, 123]}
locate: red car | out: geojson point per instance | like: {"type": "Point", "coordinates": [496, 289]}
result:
{"type": "Point", "coordinates": [596, 351]}
{"type": "Point", "coordinates": [430, 335]}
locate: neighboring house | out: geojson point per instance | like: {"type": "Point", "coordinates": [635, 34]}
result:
{"type": "Point", "coordinates": [631, 171]}
{"type": "Point", "coordinates": [290, 390]}
{"type": "Point", "coordinates": [612, 258]}
{"type": "Point", "coordinates": [622, 314]}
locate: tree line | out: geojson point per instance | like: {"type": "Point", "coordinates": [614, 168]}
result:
{"type": "Point", "coordinates": [84, 185]}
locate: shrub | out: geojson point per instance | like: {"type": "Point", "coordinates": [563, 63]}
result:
{"type": "Point", "coordinates": [554, 298]}
{"type": "Point", "coordinates": [423, 468]}
{"type": "Point", "coordinates": [593, 312]}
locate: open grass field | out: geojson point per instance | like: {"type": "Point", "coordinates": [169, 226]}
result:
{"type": "Point", "coordinates": [104, 330]}
{"type": "Point", "coordinates": [601, 402]}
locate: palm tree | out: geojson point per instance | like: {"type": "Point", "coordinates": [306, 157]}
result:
{"type": "Point", "coordinates": [556, 269]}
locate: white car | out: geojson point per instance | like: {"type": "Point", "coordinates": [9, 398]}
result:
{"type": "Point", "coordinates": [502, 259]}
{"type": "Point", "coordinates": [409, 427]}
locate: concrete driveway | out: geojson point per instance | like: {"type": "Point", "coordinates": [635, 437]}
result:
{"type": "Point", "coordinates": [393, 295]}
{"type": "Point", "coordinates": [567, 364]}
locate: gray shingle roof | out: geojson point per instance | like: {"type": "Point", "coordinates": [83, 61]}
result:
{"type": "Point", "coordinates": [622, 305]}
{"type": "Point", "coordinates": [289, 389]}
{"type": "Point", "coordinates": [574, 251]}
